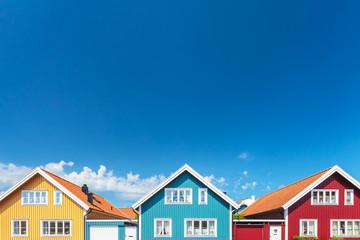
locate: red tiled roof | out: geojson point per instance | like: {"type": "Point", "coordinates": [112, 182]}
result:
{"type": "Point", "coordinates": [277, 199]}
{"type": "Point", "coordinates": [129, 212]}
{"type": "Point", "coordinates": [103, 206]}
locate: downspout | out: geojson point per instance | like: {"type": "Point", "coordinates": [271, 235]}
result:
{"type": "Point", "coordinates": [85, 223]}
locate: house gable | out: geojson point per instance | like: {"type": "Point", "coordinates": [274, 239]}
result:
{"type": "Point", "coordinates": [155, 207]}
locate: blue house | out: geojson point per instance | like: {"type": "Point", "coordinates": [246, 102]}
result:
{"type": "Point", "coordinates": [185, 206]}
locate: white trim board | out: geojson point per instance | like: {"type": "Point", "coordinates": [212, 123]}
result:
{"type": "Point", "coordinates": [331, 171]}
{"type": "Point", "coordinates": [51, 180]}
{"type": "Point", "coordinates": [174, 176]}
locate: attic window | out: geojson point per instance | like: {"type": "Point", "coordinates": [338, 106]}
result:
{"type": "Point", "coordinates": [324, 197]}
{"type": "Point", "coordinates": [349, 197]}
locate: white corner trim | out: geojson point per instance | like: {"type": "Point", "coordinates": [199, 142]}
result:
{"type": "Point", "coordinates": [139, 223]}
{"type": "Point", "coordinates": [331, 171]}
{"type": "Point", "coordinates": [286, 216]}
{"type": "Point", "coordinates": [51, 180]}
{"type": "Point", "coordinates": [175, 175]}
{"type": "Point", "coordinates": [231, 222]}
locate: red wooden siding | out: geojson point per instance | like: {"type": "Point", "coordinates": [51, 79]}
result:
{"type": "Point", "coordinates": [304, 210]}
{"type": "Point", "coordinates": [254, 231]}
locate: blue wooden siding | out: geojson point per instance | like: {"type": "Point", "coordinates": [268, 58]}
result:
{"type": "Point", "coordinates": [155, 208]}
{"type": "Point", "coordinates": [120, 225]}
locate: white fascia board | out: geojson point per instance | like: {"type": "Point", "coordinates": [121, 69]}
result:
{"type": "Point", "coordinates": [331, 171]}
{"type": "Point", "coordinates": [196, 175]}
{"type": "Point", "coordinates": [259, 220]}
{"type": "Point", "coordinates": [51, 180]}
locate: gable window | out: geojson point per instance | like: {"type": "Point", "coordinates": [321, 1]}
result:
{"type": "Point", "coordinates": [200, 227]}
{"type": "Point", "coordinates": [19, 228]}
{"type": "Point", "coordinates": [308, 227]}
{"type": "Point", "coordinates": [345, 228]}
{"type": "Point", "coordinates": [178, 196]}
{"type": "Point", "coordinates": [31, 197]}
{"type": "Point", "coordinates": [203, 196]}
{"type": "Point", "coordinates": [324, 197]}
{"type": "Point", "coordinates": [349, 197]}
{"type": "Point", "coordinates": [55, 228]}
{"type": "Point", "coordinates": [57, 197]}
{"type": "Point", "coordinates": [162, 227]}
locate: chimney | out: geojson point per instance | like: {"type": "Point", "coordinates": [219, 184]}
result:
{"type": "Point", "coordinates": [253, 197]}
{"type": "Point", "coordinates": [225, 193]}
{"type": "Point", "coordinates": [90, 198]}
{"type": "Point", "coordinates": [85, 189]}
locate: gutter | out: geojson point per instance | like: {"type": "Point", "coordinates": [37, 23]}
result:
{"type": "Point", "coordinates": [85, 222]}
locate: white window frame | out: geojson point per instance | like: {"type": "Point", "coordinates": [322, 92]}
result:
{"type": "Point", "coordinates": [200, 219]}
{"type": "Point", "coordinates": [324, 194]}
{"type": "Point", "coordinates": [178, 194]}
{"type": "Point", "coordinates": [61, 198]}
{"type": "Point", "coordinates": [346, 221]}
{"type": "Point", "coordinates": [163, 220]}
{"type": "Point", "coordinates": [315, 227]}
{"type": "Point", "coordinates": [352, 197]}
{"type": "Point", "coordinates": [206, 196]}
{"type": "Point", "coordinates": [56, 228]}
{"type": "Point", "coordinates": [12, 228]}
{"type": "Point", "coordinates": [34, 191]}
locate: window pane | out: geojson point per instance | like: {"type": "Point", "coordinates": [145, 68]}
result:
{"type": "Point", "coordinates": [175, 196]}
{"type": "Point", "coordinates": [188, 197]}
{"type": "Point", "coordinates": [167, 227]}
{"type": "Point", "coordinates": [202, 196]}
{"type": "Point", "coordinates": [16, 227]}
{"type": "Point", "coordinates": [211, 228]}
{"type": "Point", "coordinates": [315, 197]}
{"type": "Point", "coordinates": [196, 227]}
{"type": "Point", "coordinates": [335, 228]}
{"type": "Point", "coordinates": [350, 228]}
{"type": "Point", "coordinates": [37, 197]}
{"type": "Point", "coordinates": [168, 196]}
{"type": "Point", "coordinates": [45, 228]}
{"type": "Point", "coordinates": [327, 197]}
{"type": "Point", "coordinates": [23, 227]}
{"type": "Point", "coordinates": [305, 228]}
{"type": "Point", "coordinates": [158, 227]}
{"type": "Point", "coordinates": [189, 228]}
{"type": "Point", "coordinates": [342, 228]}
{"type": "Point", "coordinates": [333, 197]}
{"type": "Point", "coordinates": [357, 228]}
{"type": "Point", "coordinates": [311, 228]}
{"type": "Point", "coordinates": [43, 197]}
{"type": "Point", "coordinates": [52, 228]}
{"type": "Point", "coordinates": [204, 229]}
{"type": "Point", "coordinates": [67, 228]}
{"type": "Point", "coordinates": [181, 196]}
{"type": "Point", "coordinates": [31, 197]}
{"type": "Point", "coordinates": [60, 228]}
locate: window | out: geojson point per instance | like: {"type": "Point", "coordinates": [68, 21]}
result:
{"type": "Point", "coordinates": [349, 197]}
{"type": "Point", "coordinates": [29, 197]}
{"type": "Point", "coordinates": [308, 227]}
{"type": "Point", "coordinates": [200, 227]}
{"type": "Point", "coordinates": [162, 227]}
{"type": "Point", "coordinates": [345, 228]}
{"type": "Point", "coordinates": [57, 197]}
{"type": "Point", "coordinates": [19, 228]}
{"type": "Point", "coordinates": [203, 196]}
{"type": "Point", "coordinates": [55, 228]}
{"type": "Point", "coordinates": [178, 196]}
{"type": "Point", "coordinates": [324, 197]}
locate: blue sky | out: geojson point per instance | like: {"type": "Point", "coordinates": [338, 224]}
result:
{"type": "Point", "coordinates": [143, 87]}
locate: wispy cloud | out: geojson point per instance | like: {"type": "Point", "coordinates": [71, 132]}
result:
{"type": "Point", "coordinates": [10, 174]}
{"type": "Point", "coordinates": [249, 185]}
{"type": "Point", "coordinates": [281, 186]}
{"type": "Point", "coordinates": [219, 182]}
{"type": "Point", "coordinates": [245, 173]}
{"type": "Point", "coordinates": [242, 155]}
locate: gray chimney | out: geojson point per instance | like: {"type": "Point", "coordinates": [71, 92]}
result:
{"type": "Point", "coordinates": [253, 197]}
{"type": "Point", "coordinates": [85, 189]}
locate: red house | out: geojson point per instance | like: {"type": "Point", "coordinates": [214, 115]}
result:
{"type": "Point", "coordinates": [324, 205]}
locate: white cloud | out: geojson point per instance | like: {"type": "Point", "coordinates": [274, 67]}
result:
{"type": "Point", "coordinates": [268, 188]}
{"type": "Point", "coordinates": [243, 155]}
{"type": "Point", "coordinates": [10, 174]}
{"type": "Point", "coordinates": [249, 185]}
{"type": "Point", "coordinates": [245, 173]}
{"type": "Point", "coordinates": [219, 182]}
{"type": "Point", "coordinates": [281, 186]}
{"type": "Point", "coordinates": [129, 187]}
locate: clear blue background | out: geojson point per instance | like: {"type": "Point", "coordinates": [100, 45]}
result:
{"type": "Point", "coordinates": [146, 86]}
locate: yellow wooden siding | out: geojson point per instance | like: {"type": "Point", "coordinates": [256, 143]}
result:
{"type": "Point", "coordinates": [11, 208]}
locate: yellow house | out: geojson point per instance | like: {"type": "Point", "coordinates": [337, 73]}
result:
{"type": "Point", "coordinates": [45, 206]}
